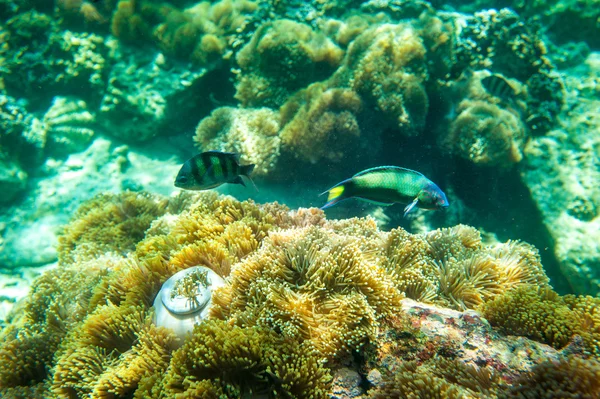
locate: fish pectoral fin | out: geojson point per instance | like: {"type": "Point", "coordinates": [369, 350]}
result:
{"type": "Point", "coordinates": [239, 180]}
{"type": "Point", "coordinates": [205, 174]}
{"type": "Point", "coordinates": [410, 206]}
{"type": "Point", "coordinates": [242, 179]}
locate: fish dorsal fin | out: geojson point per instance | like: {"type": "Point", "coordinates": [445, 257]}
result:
{"type": "Point", "coordinates": [236, 155]}
{"type": "Point", "coordinates": [384, 168]}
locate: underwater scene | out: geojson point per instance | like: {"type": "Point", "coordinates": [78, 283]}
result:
{"type": "Point", "coordinates": [299, 199]}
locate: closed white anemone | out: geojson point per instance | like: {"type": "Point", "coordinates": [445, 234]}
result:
{"type": "Point", "coordinates": [184, 300]}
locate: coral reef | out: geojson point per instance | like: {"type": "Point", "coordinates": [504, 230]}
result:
{"type": "Point", "coordinates": [283, 57]}
{"type": "Point", "coordinates": [235, 362]}
{"type": "Point", "coordinates": [486, 130]}
{"type": "Point", "coordinates": [60, 62]}
{"type": "Point", "coordinates": [386, 66]}
{"type": "Point", "coordinates": [314, 283]}
{"type": "Point", "coordinates": [67, 127]}
{"type": "Point", "coordinates": [201, 33]}
{"type": "Point", "coordinates": [301, 296]}
{"type": "Point", "coordinates": [254, 133]}
{"type": "Point", "coordinates": [562, 20]}
{"type": "Point", "coordinates": [485, 134]}
{"type": "Point", "coordinates": [147, 96]}
{"type": "Point", "coordinates": [505, 44]}
{"type": "Point", "coordinates": [20, 150]}
{"type": "Point", "coordinates": [453, 268]}
{"type": "Point", "coordinates": [570, 377]}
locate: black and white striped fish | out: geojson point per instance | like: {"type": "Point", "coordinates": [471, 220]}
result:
{"type": "Point", "coordinates": [210, 169]}
{"type": "Point", "coordinates": [499, 87]}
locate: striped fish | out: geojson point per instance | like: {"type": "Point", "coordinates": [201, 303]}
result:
{"type": "Point", "coordinates": [386, 185]}
{"type": "Point", "coordinates": [210, 169]}
{"type": "Point", "coordinates": [499, 87]}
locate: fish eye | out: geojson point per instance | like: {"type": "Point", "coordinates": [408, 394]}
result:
{"type": "Point", "coordinates": [182, 179]}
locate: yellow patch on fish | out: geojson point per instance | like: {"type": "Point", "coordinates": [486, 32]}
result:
{"type": "Point", "coordinates": [335, 192]}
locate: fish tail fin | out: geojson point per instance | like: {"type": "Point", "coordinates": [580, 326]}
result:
{"type": "Point", "coordinates": [337, 193]}
{"type": "Point", "coordinates": [245, 172]}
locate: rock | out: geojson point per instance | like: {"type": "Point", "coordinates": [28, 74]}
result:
{"type": "Point", "coordinates": [30, 235]}
{"type": "Point", "coordinates": [346, 384]}
{"type": "Point", "coordinates": [441, 333]}
{"type": "Point", "coordinates": [562, 170]}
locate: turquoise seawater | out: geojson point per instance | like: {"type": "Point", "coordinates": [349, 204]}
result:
{"type": "Point", "coordinates": [484, 112]}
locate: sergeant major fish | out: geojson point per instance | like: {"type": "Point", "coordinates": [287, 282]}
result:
{"type": "Point", "coordinates": [499, 87]}
{"type": "Point", "coordinates": [386, 185]}
{"type": "Point", "coordinates": [210, 169]}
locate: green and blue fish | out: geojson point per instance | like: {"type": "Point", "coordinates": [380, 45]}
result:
{"type": "Point", "coordinates": [387, 185]}
{"type": "Point", "coordinates": [210, 169]}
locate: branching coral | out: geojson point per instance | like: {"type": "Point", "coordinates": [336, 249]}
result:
{"type": "Point", "coordinates": [254, 133]}
{"type": "Point", "coordinates": [541, 314]}
{"type": "Point", "coordinates": [283, 57]}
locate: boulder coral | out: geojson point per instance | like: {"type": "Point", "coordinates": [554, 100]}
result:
{"type": "Point", "coordinates": [387, 66]}
{"type": "Point", "coordinates": [324, 125]}
{"type": "Point", "coordinates": [302, 295]}
{"type": "Point", "coordinates": [486, 135]}
{"type": "Point", "coordinates": [253, 133]}
{"type": "Point", "coordinates": [200, 33]}
{"type": "Point", "coordinates": [283, 57]}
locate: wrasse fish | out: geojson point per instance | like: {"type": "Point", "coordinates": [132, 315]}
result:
{"type": "Point", "coordinates": [386, 185]}
{"type": "Point", "coordinates": [210, 169]}
{"type": "Point", "coordinates": [499, 87]}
